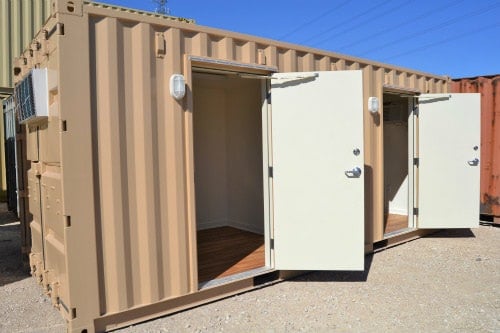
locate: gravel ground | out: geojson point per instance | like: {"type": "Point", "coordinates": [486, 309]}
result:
{"type": "Point", "coordinates": [448, 282]}
{"type": "Point", "coordinates": [23, 306]}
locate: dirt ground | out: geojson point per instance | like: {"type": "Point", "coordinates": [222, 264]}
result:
{"type": "Point", "coordinates": [448, 282]}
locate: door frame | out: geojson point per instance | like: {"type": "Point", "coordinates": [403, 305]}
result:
{"type": "Point", "coordinates": [250, 71]}
{"type": "Point", "coordinates": [411, 95]}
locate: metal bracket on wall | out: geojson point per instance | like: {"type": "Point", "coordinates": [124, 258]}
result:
{"type": "Point", "coordinates": [60, 28]}
{"type": "Point", "coordinates": [160, 45]}
{"type": "Point", "coordinates": [57, 28]}
{"type": "Point", "coordinates": [67, 221]}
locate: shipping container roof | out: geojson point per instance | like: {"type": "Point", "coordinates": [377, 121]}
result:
{"type": "Point", "coordinates": [142, 12]}
{"type": "Point", "coordinates": [492, 76]}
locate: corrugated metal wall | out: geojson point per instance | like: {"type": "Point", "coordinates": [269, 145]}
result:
{"type": "Point", "coordinates": [489, 87]}
{"type": "Point", "coordinates": [128, 77]}
{"type": "Point", "coordinates": [20, 20]}
{"type": "Point", "coordinates": [140, 167]}
{"type": "Point", "coordinates": [126, 195]}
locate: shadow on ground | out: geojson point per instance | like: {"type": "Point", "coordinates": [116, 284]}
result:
{"type": "Point", "coordinates": [12, 268]}
{"type": "Point", "coordinates": [338, 276]}
{"type": "Point", "coordinates": [358, 276]}
{"type": "Point", "coordinates": [452, 233]}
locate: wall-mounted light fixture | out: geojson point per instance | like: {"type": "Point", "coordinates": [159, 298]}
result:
{"type": "Point", "coordinates": [373, 104]}
{"type": "Point", "coordinates": [177, 86]}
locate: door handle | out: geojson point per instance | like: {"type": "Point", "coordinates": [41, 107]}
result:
{"type": "Point", "coordinates": [474, 161]}
{"type": "Point", "coordinates": [354, 173]}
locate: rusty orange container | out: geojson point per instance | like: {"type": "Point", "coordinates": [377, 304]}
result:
{"type": "Point", "coordinates": [489, 88]}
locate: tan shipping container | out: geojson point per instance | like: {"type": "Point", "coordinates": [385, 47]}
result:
{"type": "Point", "coordinates": [20, 20]}
{"type": "Point", "coordinates": [489, 88]}
{"type": "Point", "coordinates": [144, 204]}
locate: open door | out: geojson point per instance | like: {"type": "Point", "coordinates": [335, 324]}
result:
{"type": "Point", "coordinates": [449, 150]}
{"type": "Point", "coordinates": [318, 170]}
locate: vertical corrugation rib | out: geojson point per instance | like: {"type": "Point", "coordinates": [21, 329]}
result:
{"type": "Point", "coordinates": [144, 182]}
{"type": "Point", "coordinates": [127, 135]}
{"type": "Point", "coordinates": [403, 79]}
{"type": "Point", "coordinates": [340, 63]}
{"type": "Point", "coordinates": [249, 52]}
{"type": "Point", "coordinates": [163, 179]}
{"type": "Point", "coordinates": [324, 64]}
{"type": "Point", "coordinates": [290, 61]}
{"type": "Point", "coordinates": [42, 13]}
{"type": "Point", "coordinates": [95, 165]}
{"type": "Point", "coordinates": [158, 95]}
{"type": "Point", "coordinates": [272, 57]}
{"type": "Point", "coordinates": [354, 66]}
{"type": "Point", "coordinates": [237, 49]}
{"type": "Point", "coordinates": [176, 235]}
{"type": "Point", "coordinates": [414, 81]}
{"type": "Point", "coordinates": [47, 9]}
{"type": "Point", "coordinates": [226, 48]}
{"type": "Point", "coordinates": [27, 23]}
{"type": "Point", "coordinates": [430, 84]}
{"type": "Point", "coordinates": [199, 44]}
{"type": "Point", "coordinates": [308, 62]}
{"type": "Point", "coordinates": [109, 104]}
{"type": "Point", "coordinates": [16, 26]}
{"type": "Point", "coordinates": [5, 50]}
{"type": "Point", "coordinates": [38, 17]}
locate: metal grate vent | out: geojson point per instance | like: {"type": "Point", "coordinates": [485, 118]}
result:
{"type": "Point", "coordinates": [31, 96]}
{"type": "Point", "coordinates": [25, 98]}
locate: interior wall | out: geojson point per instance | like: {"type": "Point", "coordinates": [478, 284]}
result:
{"type": "Point", "coordinates": [396, 154]}
{"type": "Point", "coordinates": [228, 152]}
{"type": "Point", "coordinates": [210, 157]}
{"type": "Point", "coordinates": [244, 155]}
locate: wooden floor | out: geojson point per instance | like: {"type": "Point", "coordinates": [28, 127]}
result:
{"type": "Point", "coordinates": [225, 251]}
{"type": "Point", "coordinates": [395, 222]}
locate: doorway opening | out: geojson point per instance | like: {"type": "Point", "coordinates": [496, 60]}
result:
{"type": "Point", "coordinates": [228, 175]}
{"type": "Point", "coordinates": [397, 159]}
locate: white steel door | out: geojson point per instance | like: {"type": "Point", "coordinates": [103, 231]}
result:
{"type": "Point", "coordinates": [449, 150]}
{"type": "Point", "coordinates": [318, 170]}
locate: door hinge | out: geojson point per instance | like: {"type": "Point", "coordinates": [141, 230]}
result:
{"type": "Point", "coordinates": [416, 161]}
{"type": "Point", "coordinates": [415, 110]}
{"type": "Point", "coordinates": [268, 97]}
{"type": "Point", "coordinates": [271, 243]}
{"type": "Point", "coordinates": [270, 172]}
{"type": "Point", "coordinates": [415, 211]}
